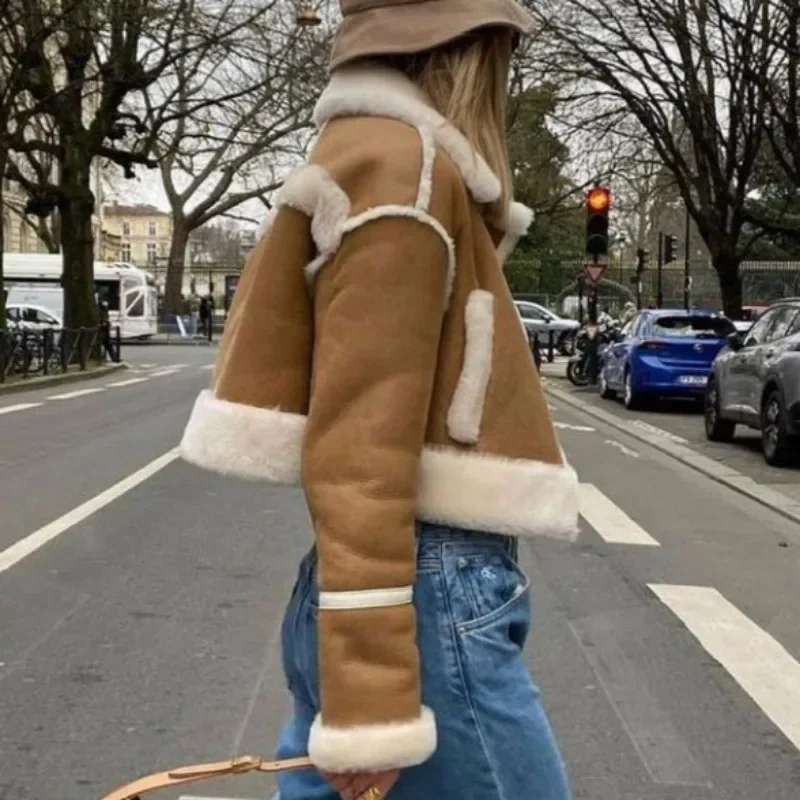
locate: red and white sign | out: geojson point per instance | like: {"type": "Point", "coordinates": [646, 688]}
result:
{"type": "Point", "coordinates": [594, 272]}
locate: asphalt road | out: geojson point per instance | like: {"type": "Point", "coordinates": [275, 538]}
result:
{"type": "Point", "coordinates": [140, 608]}
{"type": "Point", "coordinates": [683, 421]}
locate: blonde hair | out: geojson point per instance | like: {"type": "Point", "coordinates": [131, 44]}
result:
{"type": "Point", "coordinates": [467, 82]}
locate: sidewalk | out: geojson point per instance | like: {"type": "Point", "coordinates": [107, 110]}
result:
{"type": "Point", "coordinates": [174, 340]}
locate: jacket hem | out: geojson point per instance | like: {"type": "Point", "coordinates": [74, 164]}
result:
{"type": "Point", "coordinates": [494, 494]}
{"type": "Point", "coordinates": [244, 441]}
{"type": "Point", "coordinates": [461, 488]}
{"type": "Point", "coordinates": [375, 747]}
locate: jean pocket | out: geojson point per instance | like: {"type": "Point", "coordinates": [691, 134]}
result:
{"type": "Point", "coordinates": [490, 586]}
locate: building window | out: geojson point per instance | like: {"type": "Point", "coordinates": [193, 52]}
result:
{"type": "Point", "coordinates": [125, 252]}
{"type": "Point", "coordinates": [152, 252]}
{"type": "Point", "coordinates": [126, 228]}
{"type": "Point", "coordinates": [152, 229]}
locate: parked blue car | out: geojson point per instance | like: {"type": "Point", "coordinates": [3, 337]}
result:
{"type": "Point", "coordinates": [664, 353]}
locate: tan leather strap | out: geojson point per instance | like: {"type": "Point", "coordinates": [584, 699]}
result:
{"type": "Point", "coordinates": [203, 772]}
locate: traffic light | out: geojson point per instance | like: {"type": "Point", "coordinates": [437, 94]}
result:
{"type": "Point", "coordinates": [642, 257]}
{"type": "Point", "coordinates": [598, 203]}
{"type": "Point", "coordinates": [670, 243]}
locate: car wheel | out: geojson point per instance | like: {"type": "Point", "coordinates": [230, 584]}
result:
{"type": "Point", "coordinates": [718, 429]}
{"type": "Point", "coordinates": [632, 399]}
{"type": "Point", "coordinates": [605, 392]}
{"type": "Point", "coordinates": [777, 444]}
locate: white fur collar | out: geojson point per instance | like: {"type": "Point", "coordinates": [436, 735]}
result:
{"type": "Point", "coordinates": [382, 92]}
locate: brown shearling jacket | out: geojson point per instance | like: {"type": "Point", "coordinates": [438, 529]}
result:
{"type": "Point", "coordinates": [374, 355]}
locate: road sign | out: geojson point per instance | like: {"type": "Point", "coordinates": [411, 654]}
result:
{"type": "Point", "coordinates": [594, 272]}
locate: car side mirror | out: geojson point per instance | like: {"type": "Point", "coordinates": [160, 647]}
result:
{"type": "Point", "coordinates": [735, 341]}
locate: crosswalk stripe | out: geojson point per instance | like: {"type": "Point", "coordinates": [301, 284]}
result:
{"type": "Point", "coordinates": [208, 366]}
{"type": "Point", "coordinates": [609, 520]}
{"type": "Point", "coordinates": [128, 382]}
{"type": "Point", "coordinates": [78, 393]}
{"type": "Point", "coordinates": [162, 372]}
{"type": "Point", "coordinates": [753, 658]}
{"type": "Point", "coordinates": [18, 407]}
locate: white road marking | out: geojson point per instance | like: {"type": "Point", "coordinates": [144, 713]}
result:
{"type": "Point", "coordinates": [18, 407]}
{"type": "Point", "coordinates": [609, 520]}
{"type": "Point", "coordinates": [208, 366]}
{"type": "Point", "coordinates": [646, 426]}
{"type": "Point", "coordinates": [78, 393]}
{"type": "Point", "coordinates": [567, 427]}
{"type": "Point", "coordinates": [755, 660]}
{"type": "Point", "coordinates": [174, 366]}
{"type": "Point", "coordinates": [31, 543]}
{"type": "Point", "coordinates": [162, 372]}
{"type": "Point", "coordinates": [128, 382]}
{"type": "Point", "coordinates": [621, 447]}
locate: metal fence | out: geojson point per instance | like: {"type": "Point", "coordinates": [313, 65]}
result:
{"type": "Point", "coordinates": [555, 285]}
{"type": "Point", "coordinates": [27, 353]}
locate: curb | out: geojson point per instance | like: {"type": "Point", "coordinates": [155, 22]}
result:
{"type": "Point", "coordinates": [31, 384]}
{"type": "Point", "coordinates": [176, 342]}
{"type": "Point", "coordinates": [733, 479]}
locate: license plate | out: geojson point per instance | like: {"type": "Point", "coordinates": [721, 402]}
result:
{"type": "Point", "coordinates": [693, 380]}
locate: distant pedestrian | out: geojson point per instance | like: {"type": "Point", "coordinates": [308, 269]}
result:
{"type": "Point", "coordinates": [374, 356]}
{"type": "Point", "coordinates": [204, 315]}
{"type": "Point", "coordinates": [105, 331]}
{"type": "Point", "coordinates": [194, 312]}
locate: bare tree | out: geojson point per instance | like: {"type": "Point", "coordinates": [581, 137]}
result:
{"type": "Point", "coordinates": [83, 60]}
{"type": "Point", "coordinates": [683, 70]}
{"type": "Point", "coordinates": [231, 121]}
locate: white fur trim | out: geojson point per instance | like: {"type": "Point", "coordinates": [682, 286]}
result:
{"type": "Point", "coordinates": [466, 410]}
{"type": "Point", "coordinates": [312, 190]}
{"type": "Point", "coordinates": [377, 91]}
{"type": "Point", "coordinates": [414, 213]}
{"type": "Point", "coordinates": [460, 488]}
{"type": "Point", "coordinates": [313, 267]}
{"type": "Point", "coordinates": [490, 493]}
{"type": "Point", "coordinates": [367, 598]}
{"type": "Point", "coordinates": [520, 218]}
{"type": "Point", "coordinates": [373, 748]}
{"type": "Point", "coordinates": [245, 441]}
{"type": "Point", "coordinates": [426, 176]}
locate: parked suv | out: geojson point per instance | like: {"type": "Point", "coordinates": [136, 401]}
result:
{"type": "Point", "coordinates": [756, 382]}
{"type": "Point", "coordinates": [540, 320]}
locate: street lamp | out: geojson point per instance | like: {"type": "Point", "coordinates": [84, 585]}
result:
{"type": "Point", "coordinates": [307, 16]}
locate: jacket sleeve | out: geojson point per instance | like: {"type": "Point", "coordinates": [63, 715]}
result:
{"type": "Point", "coordinates": [379, 306]}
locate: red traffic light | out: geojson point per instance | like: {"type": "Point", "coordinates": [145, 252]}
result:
{"type": "Point", "coordinates": [598, 200]}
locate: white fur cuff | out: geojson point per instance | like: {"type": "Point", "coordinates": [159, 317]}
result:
{"type": "Point", "coordinates": [245, 441]}
{"type": "Point", "coordinates": [481, 492]}
{"type": "Point", "coordinates": [373, 748]}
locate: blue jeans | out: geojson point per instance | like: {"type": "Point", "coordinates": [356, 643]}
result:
{"type": "Point", "coordinates": [473, 615]}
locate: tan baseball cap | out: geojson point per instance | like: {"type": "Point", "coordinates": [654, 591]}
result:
{"type": "Point", "coordinates": [400, 27]}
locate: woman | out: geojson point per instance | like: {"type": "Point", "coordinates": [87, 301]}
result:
{"type": "Point", "coordinates": [374, 356]}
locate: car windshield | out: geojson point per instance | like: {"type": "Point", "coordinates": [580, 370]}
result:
{"type": "Point", "coordinates": [693, 327]}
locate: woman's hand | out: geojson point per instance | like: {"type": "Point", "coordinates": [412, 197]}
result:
{"type": "Point", "coordinates": [363, 785]}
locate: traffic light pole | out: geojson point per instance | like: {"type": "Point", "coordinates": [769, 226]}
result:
{"type": "Point", "coordinates": [660, 272]}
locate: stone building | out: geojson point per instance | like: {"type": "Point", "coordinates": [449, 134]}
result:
{"type": "Point", "coordinates": [144, 232]}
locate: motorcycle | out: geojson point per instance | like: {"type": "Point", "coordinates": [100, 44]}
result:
{"type": "Point", "coordinates": [578, 365]}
